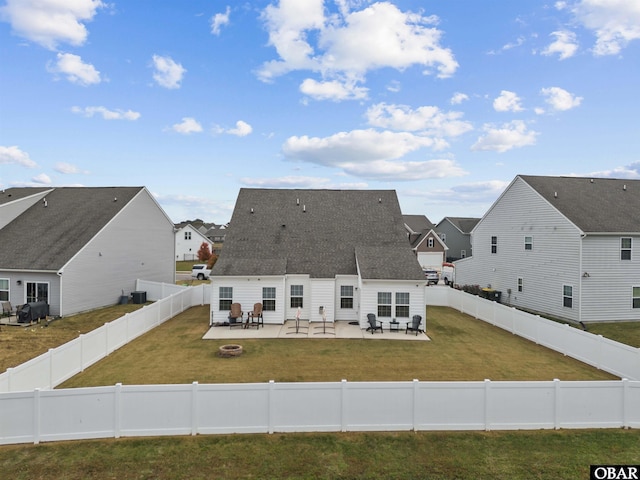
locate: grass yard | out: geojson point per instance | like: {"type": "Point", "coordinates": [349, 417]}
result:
{"type": "Point", "coordinates": [624, 332]}
{"type": "Point", "coordinates": [19, 344]}
{"type": "Point", "coordinates": [461, 348]}
{"type": "Point", "coordinates": [552, 455]}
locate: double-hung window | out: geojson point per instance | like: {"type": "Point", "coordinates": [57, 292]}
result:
{"type": "Point", "coordinates": [494, 244]}
{"type": "Point", "coordinates": [625, 248]}
{"type": "Point", "coordinates": [402, 304]}
{"type": "Point", "coordinates": [567, 296]}
{"type": "Point", "coordinates": [346, 296]}
{"type": "Point", "coordinates": [636, 297]}
{"type": "Point", "coordinates": [4, 289]}
{"type": "Point", "coordinates": [520, 284]}
{"type": "Point", "coordinates": [225, 298]}
{"type": "Point", "coordinates": [384, 304]}
{"type": "Point", "coordinates": [297, 292]}
{"type": "Point", "coordinates": [187, 235]}
{"type": "Point", "coordinates": [528, 243]}
{"type": "Point", "coordinates": [269, 299]}
{"type": "Point", "coordinates": [430, 242]}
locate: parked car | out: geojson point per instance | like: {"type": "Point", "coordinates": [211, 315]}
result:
{"type": "Point", "coordinates": [432, 277]}
{"type": "Point", "coordinates": [200, 271]}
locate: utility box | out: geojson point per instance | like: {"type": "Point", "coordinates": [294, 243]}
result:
{"type": "Point", "coordinates": [139, 297]}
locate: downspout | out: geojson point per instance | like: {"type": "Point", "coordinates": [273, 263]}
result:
{"type": "Point", "coordinates": [59, 273]}
{"type": "Point", "coordinates": [582, 237]}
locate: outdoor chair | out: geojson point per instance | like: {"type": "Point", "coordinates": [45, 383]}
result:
{"type": "Point", "coordinates": [373, 324]}
{"type": "Point", "coordinates": [254, 317]}
{"type": "Point", "coordinates": [235, 316]}
{"type": "Point", "coordinates": [7, 309]}
{"type": "Point", "coordinates": [414, 325]}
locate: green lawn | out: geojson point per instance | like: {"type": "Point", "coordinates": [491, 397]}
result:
{"type": "Point", "coordinates": [461, 349]}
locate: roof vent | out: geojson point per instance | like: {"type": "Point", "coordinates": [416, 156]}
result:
{"type": "Point", "coordinates": [304, 208]}
{"type": "Point", "coordinates": [44, 201]}
{"type": "Point", "coordinates": [591, 180]}
{"type": "Point", "coordinates": [379, 200]}
{"type": "Point", "coordinates": [252, 210]}
{"type": "Point", "coordinates": [624, 187]}
{"type": "Point", "coordinates": [555, 194]}
{"type": "Point", "coordinates": [115, 199]}
{"type": "Point", "coordinates": [297, 201]}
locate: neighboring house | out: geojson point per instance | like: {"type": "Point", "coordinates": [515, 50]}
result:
{"type": "Point", "coordinates": [188, 242]}
{"type": "Point", "coordinates": [343, 252]}
{"type": "Point", "coordinates": [568, 247]}
{"type": "Point", "coordinates": [428, 247]}
{"type": "Point", "coordinates": [455, 232]}
{"type": "Point", "coordinates": [217, 234]}
{"type": "Point", "coordinates": [81, 248]}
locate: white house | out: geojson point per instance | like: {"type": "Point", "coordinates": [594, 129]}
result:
{"type": "Point", "coordinates": [428, 247]}
{"type": "Point", "coordinates": [80, 248]}
{"type": "Point", "coordinates": [188, 242]}
{"type": "Point", "coordinates": [341, 251]}
{"type": "Point", "coordinates": [562, 246]}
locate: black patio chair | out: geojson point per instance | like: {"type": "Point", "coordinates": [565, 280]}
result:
{"type": "Point", "coordinates": [373, 324]}
{"type": "Point", "coordinates": [414, 325]}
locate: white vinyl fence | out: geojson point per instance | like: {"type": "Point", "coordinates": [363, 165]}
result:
{"type": "Point", "coordinates": [31, 412]}
{"type": "Point", "coordinates": [151, 410]}
{"type": "Point", "coordinates": [608, 355]}
{"type": "Point", "coordinates": [59, 364]}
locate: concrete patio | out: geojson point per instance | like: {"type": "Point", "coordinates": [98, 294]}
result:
{"type": "Point", "coordinates": [313, 330]}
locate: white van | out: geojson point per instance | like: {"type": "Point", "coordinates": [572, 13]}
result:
{"type": "Point", "coordinates": [201, 272]}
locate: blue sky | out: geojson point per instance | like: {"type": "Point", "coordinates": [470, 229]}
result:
{"type": "Point", "coordinates": [444, 101]}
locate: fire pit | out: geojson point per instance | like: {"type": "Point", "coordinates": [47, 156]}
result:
{"type": "Point", "coordinates": [228, 351]}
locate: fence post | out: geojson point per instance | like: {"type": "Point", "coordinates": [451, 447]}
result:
{"type": "Point", "coordinates": [117, 394]}
{"type": "Point", "coordinates": [81, 352]}
{"type": "Point", "coordinates": [9, 376]}
{"type": "Point", "coordinates": [556, 403]}
{"type": "Point", "coordinates": [343, 405]}
{"type": "Point", "coordinates": [487, 388]}
{"type": "Point", "coordinates": [50, 354]}
{"type": "Point", "coordinates": [194, 408]}
{"type": "Point", "coordinates": [625, 403]}
{"type": "Point", "coordinates": [270, 401]}
{"type": "Point", "coordinates": [36, 416]}
{"type": "Point", "coordinates": [416, 384]}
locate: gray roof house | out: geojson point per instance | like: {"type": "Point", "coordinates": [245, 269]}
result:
{"type": "Point", "coordinates": [79, 248]}
{"type": "Point", "coordinates": [428, 247]}
{"type": "Point", "coordinates": [568, 247]}
{"type": "Point", "coordinates": [456, 233]}
{"type": "Point", "coordinates": [343, 250]}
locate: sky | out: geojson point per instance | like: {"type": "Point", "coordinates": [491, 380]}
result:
{"type": "Point", "coordinates": [443, 101]}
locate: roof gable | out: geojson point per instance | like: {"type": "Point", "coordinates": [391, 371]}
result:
{"type": "Point", "coordinates": [52, 231]}
{"type": "Point", "coordinates": [463, 224]}
{"type": "Point", "coordinates": [594, 205]}
{"type": "Point", "coordinates": [316, 232]}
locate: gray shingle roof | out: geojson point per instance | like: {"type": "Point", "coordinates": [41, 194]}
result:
{"type": "Point", "coordinates": [13, 194]}
{"type": "Point", "coordinates": [418, 223]}
{"type": "Point", "coordinates": [47, 237]}
{"type": "Point", "coordinates": [464, 224]}
{"type": "Point", "coordinates": [595, 205]}
{"type": "Point", "coordinates": [317, 232]}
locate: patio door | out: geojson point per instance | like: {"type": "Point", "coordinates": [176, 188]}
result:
{"type": "Point", "coordinates": [37, 292]}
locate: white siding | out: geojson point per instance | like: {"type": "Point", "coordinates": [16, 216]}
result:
{"type": "Point", "coordinates": [553, 261]}
{"type": "Point", "coordinates": [18, 293]}
{"type": "Point", "coordinates": [247, 291]}
{"type": "Point", "coordinates": [191, 246]}
{"type": "Point", "coordinates": [369, 298]}
{"type": "Point", "coordinates": [607, 291]}
{"type": "Point", "coordinates": [347, 314]}
{"type": "Point", "coordinates": [137, 243]}
{"type": "Point", "coordinates": [323, 295]}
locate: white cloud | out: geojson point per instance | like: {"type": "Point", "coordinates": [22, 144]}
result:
{"type": "Point", "coordinates": [168, 73]}
{"type": "Point", "coordinates": [219, 20]}
{"type": "Point", "coordinates": [75, 69]}
{"type": "Point", "coordinates": [458, 98]}
{"type": "Point", "coordinates": [187, 126]}
{"type": "Point", "coordinates": [631, 171]}
{"type": "Point", "coordinates": [42, 179]}
{"type": "Point", "coordinates": [507, 102]}
{"type": "Point", "coordinates": [371, 154]}
{"type": "Point", "coordinates": [13, 155]}
{"type": "Point", "coordinates": [287, 182]}
{"type": "Point", "coordinates": [51, 22]}
{"type": "Point", "coordinates": [565, 45]}
{"type": "Point", "coordinates": [351, 43]}
{"type": "Point", "coordinates": [428, 120]}
{"type": "Point", "coordinates": [560, 99]}
{"type": "Point", "coordinates": [332, 90]}
{"type": "Point", "coordinates": [242, 129]}
{"type": "Point", "coordinates": [106, 113]}
{"type": "Point", "coordinates": [614, 22]}
{"type": "Point", "coordinates": [182, 207]}
{"type": "Point", "coordinates": [468, 193]}
{"type": "Point", "coordinates": [68, 168]}
{"type": "Point", "coordinates": [501, 139]}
